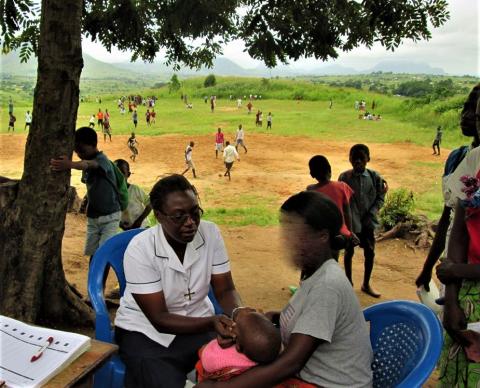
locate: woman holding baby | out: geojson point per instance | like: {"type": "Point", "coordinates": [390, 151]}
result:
{"type": "Point", "coordinates": [165, 316]}
{"type": "Point", "coordinates": [325, 337]}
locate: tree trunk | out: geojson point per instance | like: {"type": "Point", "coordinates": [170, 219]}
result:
{"type": "Point", "coordinates": [33, 287]}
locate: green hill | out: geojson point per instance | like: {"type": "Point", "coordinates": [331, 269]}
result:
{"type": "Point", "coordinates": [10, 65]}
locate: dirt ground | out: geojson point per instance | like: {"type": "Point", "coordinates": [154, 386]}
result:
{"type": "Point", "coordinates": [274, 168]}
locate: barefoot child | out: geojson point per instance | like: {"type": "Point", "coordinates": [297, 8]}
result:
{"type": "Point", "coordinates": [369, 194]}
{"type": "Point", "coordinates": [132, 144]}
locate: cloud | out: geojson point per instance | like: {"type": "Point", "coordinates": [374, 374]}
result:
{"type": "Point", "coordinates": [453, 47]}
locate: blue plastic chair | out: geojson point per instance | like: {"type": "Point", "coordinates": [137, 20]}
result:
{"type": "Point", "coordinates": [110, 254]}
{"type": "Point", "coordinates": [407, 339]}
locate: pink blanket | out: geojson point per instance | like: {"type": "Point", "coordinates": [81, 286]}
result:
{"type": "Point", "coordinates": [214, 358]}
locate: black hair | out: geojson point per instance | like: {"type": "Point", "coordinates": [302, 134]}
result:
{"type": "Point", "coordinates": [86, 135]}
{"type": "Point", "coordinates": [360, 148]}
{"type": "Point", "coordinates": [319, 212]}
{"type": "Point", "coordinates": [227, 143]}
{"type": "Point", "coordinates": [319, 167]}
{"type": "Point", "coordinates": [166, 186]}
{"type": "Point", "coordinates": [263, 342]}
{"type": "Point", "coordinates": [122, 162]}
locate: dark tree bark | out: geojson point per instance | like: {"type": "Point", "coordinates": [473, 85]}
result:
{"type": "Point", "coordinates": [33, 287]}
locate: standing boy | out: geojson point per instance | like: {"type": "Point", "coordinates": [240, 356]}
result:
{"type": "Point", "coordinates": [229, 156]}
{"type": "Point", "coordinates": [28, 120]}
{"type": "Point", "coordinates": [103, 211]}
{"type": "Point", "coordinates": [219, 142]}
{"type": "Point", "coordinates": [91, 122]}
{"type": "Point", "coordinates": [11, 122]}
{"type": "Point", "coordinates": [239, 138]}
{"type": "Point", "coordinates": [369, 194]}
{"type": "Point", "coordinates": [189, 160]}
{"type": "Point", "coordinates": [269, 120]}
{"type": "Point", "coordinates": [135, 118]}
{"type": "Point", "coordinates": [437, 141]}
{"type": "Point", "coordinates": [100, 119]}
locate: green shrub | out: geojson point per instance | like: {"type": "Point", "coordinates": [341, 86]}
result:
{"type": "Point", "coordinates": [210, 80]}
{"type": "Point", "coordinates": [399, 206]}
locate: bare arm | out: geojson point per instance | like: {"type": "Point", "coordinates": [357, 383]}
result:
{"type": "Point", "coordinates": [454, 318]}
{"type": "Point", "coordinates": [139, 220]}
{"type": "Point", "coordinates": [63, 163]}
{"type": "Point", "coordinates": [155, 309]}
{"type": "Point", "coordinates": [291, 361]}
{"type": "Point", "coordinates": [438, 246]}
{"type": "Point", "coordinates": [347, 214]}
{"type": "Point", "coordinates": [225, 292]}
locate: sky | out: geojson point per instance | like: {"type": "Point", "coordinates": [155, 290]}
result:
{"type": "Point", "coordinates": [454, 47]}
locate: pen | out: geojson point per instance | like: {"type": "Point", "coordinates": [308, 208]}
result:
{"type": "Point", "coordinates": [39, 353]}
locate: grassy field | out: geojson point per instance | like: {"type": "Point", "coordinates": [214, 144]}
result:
{"type": "Point", "coordinates": [402, 121]}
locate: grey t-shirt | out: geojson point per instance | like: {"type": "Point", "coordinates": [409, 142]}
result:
{"type": "Point", "coordinates": [326, 307]}
{"type": "Point", "coordinates": [102, 195]}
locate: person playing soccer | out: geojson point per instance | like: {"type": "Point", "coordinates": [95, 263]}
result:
{"type": "Point", "coordinates": [219, 142]}
{"type": "Point", "coordinates": [189, 160]}
{"type": "Point", "coordinates": [132, 145]}
{"type": "Point", "coordinates": [239, 138]}
{"type": "Point", "coordinates": [229, 156]}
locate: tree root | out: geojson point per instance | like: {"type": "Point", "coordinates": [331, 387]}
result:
{"type": "Point", "coordinates": [419, 231]}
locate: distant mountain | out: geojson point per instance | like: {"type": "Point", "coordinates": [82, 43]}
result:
{"type": "Point", "coordinates": [406, 67]}
{"type": "Point", "coordinates": [95, 69]}
{"type": "Point", "coordinates": [221, 66]}
{"type": "Point", "coordinates": [92, 68]}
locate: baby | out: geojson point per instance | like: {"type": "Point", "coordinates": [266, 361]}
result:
{"type": "Point", "coordinates": [257, 341]}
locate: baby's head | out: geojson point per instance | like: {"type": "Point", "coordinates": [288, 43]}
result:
{"type": "Point", "coordinates": [257, 337]}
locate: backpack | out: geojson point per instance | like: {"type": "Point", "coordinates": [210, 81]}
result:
{"type": "Point", "coordinates": [120, 186]}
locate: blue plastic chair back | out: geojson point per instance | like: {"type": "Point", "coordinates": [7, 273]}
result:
{"type": "Point", "coordinates": [110, 254]}
{"type": "Point", "coordinates": [407, 339]}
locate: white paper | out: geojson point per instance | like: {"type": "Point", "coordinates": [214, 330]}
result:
{"type": "Point", "coordinates": [19, 342]}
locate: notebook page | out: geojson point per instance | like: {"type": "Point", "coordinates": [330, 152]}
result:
{"type": "Point", "coordinates": [19, 342]}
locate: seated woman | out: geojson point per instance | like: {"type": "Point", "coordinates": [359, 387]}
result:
{"type": "Point", "coordinates": [324, 333]}
{"type": "Point", "coordinates": [165, 315]}
{"type": "Point", "coordinates": [460, 361]}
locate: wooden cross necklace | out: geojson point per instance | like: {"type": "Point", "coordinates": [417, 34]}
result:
{"type": "Point", "coordinates": [189, 293]}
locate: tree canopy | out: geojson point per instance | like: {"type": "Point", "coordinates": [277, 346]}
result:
{"type": "Point", "coordinates": [192, 32]}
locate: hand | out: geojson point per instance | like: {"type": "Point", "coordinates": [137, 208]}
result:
{"type": "Point", "coordinates": [472, 350]}
{"type": "Point", "coordinates": [424, 279]}
{"type": "Point", "coordinates": [223, 327]}
{"type": "Point", "coordinates": [355, 239]}
{"type": "Point", "coordinates": [446, 272]}
{"type": "Point", "coordinates": [454, 321]}
{"type": "Point", "coordinates": [60, 164]}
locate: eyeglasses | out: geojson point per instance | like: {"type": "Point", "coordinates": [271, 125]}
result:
{"type": "Point", "coordinates": [181, 218]}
